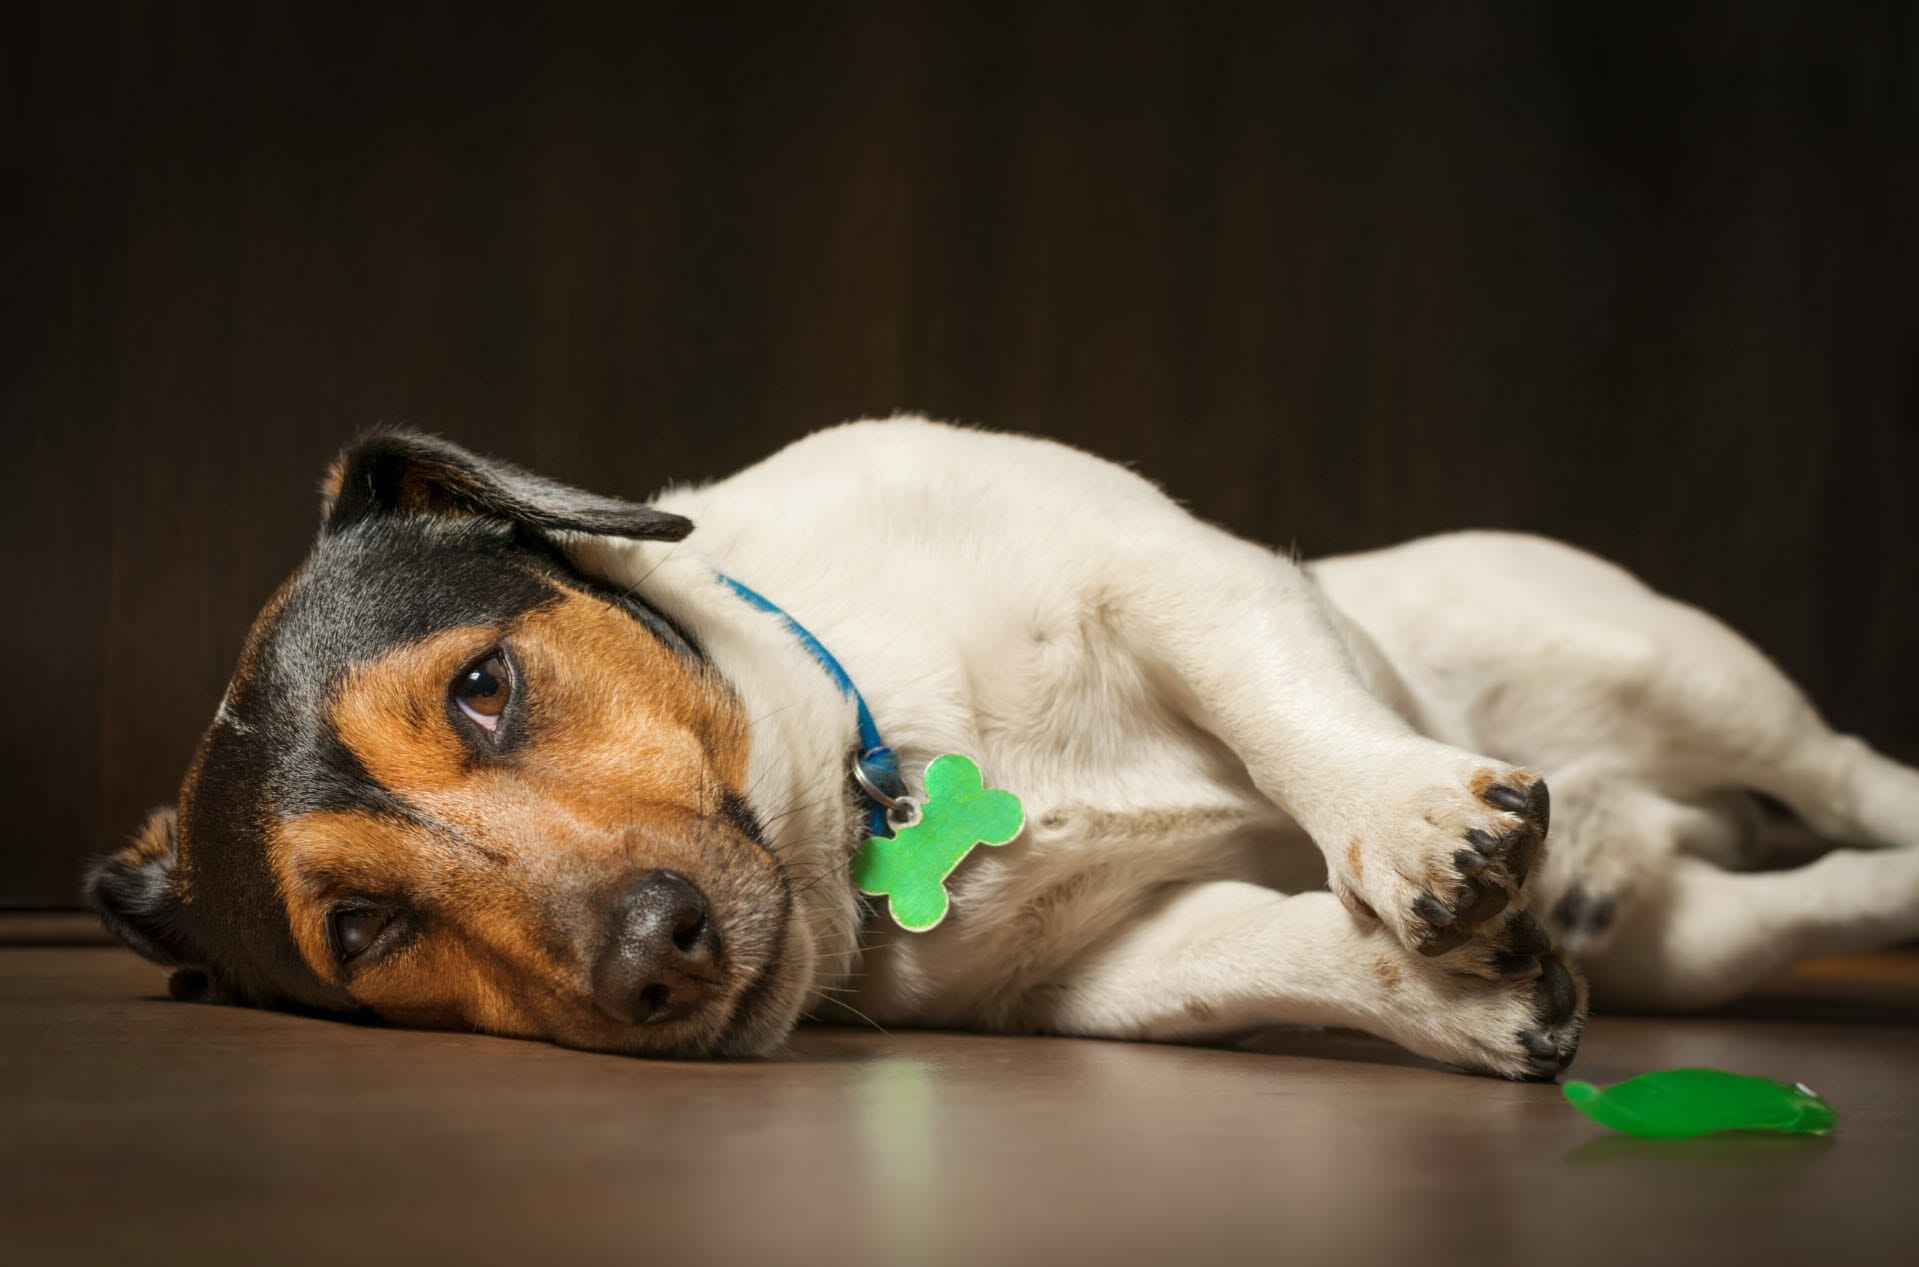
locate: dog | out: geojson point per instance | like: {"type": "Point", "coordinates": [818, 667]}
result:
{"type": "Point", "coordinates": [507, 756]}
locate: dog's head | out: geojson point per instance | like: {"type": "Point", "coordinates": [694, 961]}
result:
{"type": "Point", "coordinates": [456, 782]}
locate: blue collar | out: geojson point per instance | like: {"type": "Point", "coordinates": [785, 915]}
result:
{"type": "Point", "coordinates": [875, 769]}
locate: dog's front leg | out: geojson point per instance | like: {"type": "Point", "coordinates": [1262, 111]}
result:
{"type": "Point", "coordinates": [1437, 842]}
{"type": "Point", "coordinates": [1216, 959]}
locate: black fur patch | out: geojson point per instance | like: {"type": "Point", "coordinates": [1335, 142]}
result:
{"type": "Point", "coordinates": [402, 472]}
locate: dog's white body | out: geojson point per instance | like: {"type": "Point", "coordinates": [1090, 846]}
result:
{"type": "Point", "coordinates": [1185, 715]}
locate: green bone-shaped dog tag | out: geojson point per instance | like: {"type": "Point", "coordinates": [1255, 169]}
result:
{"type": "Point", "coordinates": [910, 869]}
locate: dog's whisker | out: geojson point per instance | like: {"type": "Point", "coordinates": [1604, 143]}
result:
{"type": "Point", "coordinates": [848, 1007]}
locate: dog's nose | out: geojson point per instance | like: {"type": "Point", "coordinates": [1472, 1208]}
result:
{"type": "Point", "coordinates": [662, 959]}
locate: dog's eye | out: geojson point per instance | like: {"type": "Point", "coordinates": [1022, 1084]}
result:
{"type": "Point", "coordinates": [355, 928]}
{"type": "Point", "coordinates": [482, 691]}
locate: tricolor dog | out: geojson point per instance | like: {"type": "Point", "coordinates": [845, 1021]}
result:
{"type": "Point", "coordinates": [506, 756]}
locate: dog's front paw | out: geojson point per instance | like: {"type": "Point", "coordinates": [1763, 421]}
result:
{"type": "Point", "coordinates": [1525, 1025]}
{"type": "Point", "coordinates": [1438, 866]}
{"type": "Point", "coordinates": [1542, 1040]}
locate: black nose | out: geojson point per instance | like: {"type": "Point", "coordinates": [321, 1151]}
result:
{"type": "Point", "coordinates": [661, 960]}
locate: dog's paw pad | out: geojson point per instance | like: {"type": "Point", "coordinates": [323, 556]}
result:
{"type": "Point", "coordinates": [1579, 911]}
{"type": "Point", "coordinates": [1584, 919]}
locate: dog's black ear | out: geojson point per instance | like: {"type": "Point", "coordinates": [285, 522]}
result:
{"type": "Point", "coordinates": [134, 892]}
{"type": "Point", "coordinates": [405, 472]}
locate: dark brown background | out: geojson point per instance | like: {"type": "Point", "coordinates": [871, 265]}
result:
{"type": "Point", "coordinates": [1337, 275]}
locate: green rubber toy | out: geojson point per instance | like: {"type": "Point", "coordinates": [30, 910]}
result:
{"type": "Point", "coordinates": [1680, 1103]}
{"type": "Point", "coordinates": [909, 869]}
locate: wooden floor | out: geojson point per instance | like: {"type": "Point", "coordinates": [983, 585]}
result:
{"type": "Point", "coordinates": [142, 1131]}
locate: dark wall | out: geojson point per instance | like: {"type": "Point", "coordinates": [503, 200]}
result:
{"type": "Point", "coordinates": [1337, 275]}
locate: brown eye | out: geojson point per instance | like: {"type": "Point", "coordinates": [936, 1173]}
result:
{"type": "Point", "coordinates": [482, 691]}
{"type": "Point", "coordinates": [354, 928]}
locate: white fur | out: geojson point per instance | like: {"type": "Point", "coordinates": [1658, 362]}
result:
{"type": "Point", "coordinates": [1185, 714]}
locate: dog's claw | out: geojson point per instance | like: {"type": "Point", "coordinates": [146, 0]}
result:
{"type": "Point", "coordinates": [1430, 909]}
{"type": "Point", "coordinates": [1534, 804]}
{"type": "Point", "coordinates": [1483, 901]}
{"type": "Point", "coordinates": [1441, 940]}
{"type": "Point", "coordinates": [1506, 797]}
{"type": "Point", "coordinates": [1537, 1044]}
{"type": "Point", "coordinates": [1516, 965]}
{"type": "Point", "coordinates": [1527, 936]}
{"type": "Point", "coordinates": [1543, 1059]}
{"type": "Point", "coordinates": [1554, 995]}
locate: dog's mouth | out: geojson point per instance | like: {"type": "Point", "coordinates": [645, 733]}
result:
{"type": "Point", "coordinates": [765, 1007]}
{"type": "Point", "coordinates": [749, 1015]}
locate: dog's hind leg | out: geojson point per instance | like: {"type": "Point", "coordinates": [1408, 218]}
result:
{"type": "Point", "coordinates": [1695, 936]}
{"type": "Point", "coordinates": [1841, 787]}
{"type": "Point", "coordinates": [1613, 837]}
{"type": "Point", "coordinates": [1560, 659]}
{"type": "Point", "coordinates": [1714, 712]}
{"type": "Point", "coordinates": [1211, 960]}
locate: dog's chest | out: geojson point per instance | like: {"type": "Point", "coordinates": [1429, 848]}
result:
{"type": "Point", "coordinates": [1023, 912]}
{"type": "Point", "coordinates": [1123, 796]}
